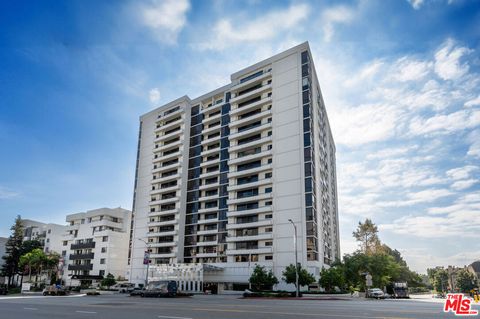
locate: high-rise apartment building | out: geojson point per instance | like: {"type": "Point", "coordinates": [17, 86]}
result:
{"type": "Point", "coordinates": [221, 178]}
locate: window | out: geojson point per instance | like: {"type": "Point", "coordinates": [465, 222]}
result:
{"type": "Point", "coordinates": [247, 206]}
{"type": "Point", "coordinates": [251, 151]}
{"type": "Point", "coordinates": [105, 238]}
{"type": "Point", "coordinates": [251, 76]}
{"type": "Point", "coordinates": [212, 180]}
{"type": "Point", "coordinates": [247, 193]}
{"type": "Point", "coordinates": [247, 179]}
{"type": "Point", "coordinates": [268, 175]}
{"type": "Point", "coordinates": [269, 161]}
{"type": "Point", "coordinates": [249, 139]}
{"type": "Point", "coordinates": [64, 253]}
{"type": "Point", "coordinates": [268, 243]}
{"type": "Point", "coordinates": [211, 204]}
{"type": "Point", "coordinates": [104, 249]}
{"type": "Point", "coordinates": [101, 272]}
{"type": "Point", "coordinates": [268, 190]}
{"type": "Point", "coordinates": [268, 216]}
{"type": "Point", "coordinates": [49, 231]}
{"type": "Point", "coordinates": [65, 243]}
{"type": "Point", "coordinates": [250, 89]}
{"type": "Point", "coordinates": [248, 114]}
{"type": "Point", "coordinates": [249, 165]}
{"type": "Point", "coordinates": [268, 229]}
{"type": "Point", "coordinates": [269, 203]}
{"type": "Point", "coordinates": [269, 257]}
{"type": "Point", "coordinates": [249, 126]}
{"type": "Point", "coordinates": [102, 261]}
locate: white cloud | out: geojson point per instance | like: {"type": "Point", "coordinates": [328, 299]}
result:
{"type": "Point", "coordinates": [267, 26]}
{"type": "Point", "coordinates": [445, 124]}
{"type": "Point", "coordinates": [474, 139]}
{"type": "Point", "coordinates": [6, 193]}
{"type": "Point", "coordinates": [473, 102]}
{"type": "Point", "coordinates": [464, 184]}
{"type": "Point", "coordinates": [407, 69]}
{"type": "Point", "coordinates": [166, 18]}
{"type": "Point", "coordinates": [366, 73]}
{"type": "Point", "coordinates": [447, 61]}
{"type": "Point", "coordinates": [461, 172]}
{"type": "Point", "coordinates": [416, 4]}
{"type": "Point", "coordinates": [364, 124]}
{"type": "Point", "coordinates": [333, 16]}
{"type": "Point", "coordinates": [154, 95]}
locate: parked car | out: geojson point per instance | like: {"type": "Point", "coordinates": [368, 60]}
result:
{"type": "Point", "coordinates": [124, 287]}
{"type": "Point", "coordinates": [376, 293]}
{"type": "Point", "coordinates": [136, 292]}
{"type": "Point", "coordinates": [163, 288]}
{"type": "Point", "coordinates": [55, 290]}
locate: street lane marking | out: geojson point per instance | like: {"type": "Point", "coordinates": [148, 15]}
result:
{"type": "Point", "coordinates": [170, 317]}
{"type": "Point", "coordinates": [26, 308]}
{"type": "Point", "coordinates": [294, 313]}
{"type": "Point", "coordinates": [81, 311]}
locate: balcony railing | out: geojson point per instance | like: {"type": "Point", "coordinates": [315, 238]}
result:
{"type": "Point", "coordinates": [83, 245]}
{"type": "Point", "coordinates": [80, 267]}
{"type": "Point", "coordinates": [82, 256]}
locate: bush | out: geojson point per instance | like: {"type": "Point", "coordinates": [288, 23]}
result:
{"type": "Point", "coordinates": [15, 290]}
{"type": "Point", "coordinates": [93, 293]}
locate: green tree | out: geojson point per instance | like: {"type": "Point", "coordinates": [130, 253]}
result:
{"type": "Point", "coordinates": [109, 281]}
{"type": "Point", "coordinates": [262, 279]}
{"type": "Point", "coordinates": [465, 280]}
{"type": "Point", "coordinates": [304, 277]}
{"type": "Point", "coordinates": [367, 235]}
{"type": "Point", "coordinates": [32, 263]}
{"type": "Point", "coordinates": [332, 277]}
{"type": "Point", "coordinates": [13, 251]}
{"type": "Point", "coordinates": [440, 280]}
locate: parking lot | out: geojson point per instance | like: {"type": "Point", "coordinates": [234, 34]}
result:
{"type": "Point", "coordinates": [120, 306]}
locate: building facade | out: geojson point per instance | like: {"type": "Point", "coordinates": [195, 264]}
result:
{"type": "Point", "coordinates": [49, 234]}
{"type": "Point", "coordinates": [94, 244]}
{"type": "Point", "coordinates": [221, 178]}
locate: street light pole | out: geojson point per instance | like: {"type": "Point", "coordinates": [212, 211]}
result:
{"type": "Point", "coordinates": [147, 255]}
{"type": "Point", "coordinates": [296, 256]}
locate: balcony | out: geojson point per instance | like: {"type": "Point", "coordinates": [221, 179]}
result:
{"type": "Point", "coordinates": [262, 140]}
{"type": "Point", "coordinates": [168, 126]}
{"type": "Point", "coordinates": [163, 213]}
{"type": "Point", "coordinates": [164, 190]}
{"type": "Point", "coordinates": [83, 245]}
{"type": "Point", "coordinates": [251, 130]}
{"type": "Point", "coordinates": [209, 186]}
{"type": "Point", "coordinates": [80, 267]}
{"type": "Point", "coordinates": [165, 255]}
{"type": "Point", "coordinates": [260, 250]}
{"type": "Point", "coordinates": [82, 256]}
{"type": "Point", "coordinates": [159, 234]}
{"type": "Point", "coordinates": [207, 232]}
{"type": "Point", "coordinates": [250, 171]}
{"type": "Point", "coordinates": [207, 221]}
{"type": "Point", "coordinates": [169, 156]}
{"type": "Point", "coordinates": [237, 213]}
{"type": "Point", "coordinates": [247, 95]}
{"type": "Point", "coordinates": [166, 244]}
{"type": "Point", "coordinates": [257, 197]}
{"type": "Point", "coordinates": [264, 236]}
{"type": "Point", "coordinates": [211, 119]}
{"type": "Point", "coordinates": [247, 158]}
{"type": "Point", "coordinates": [258, 223]}
{"type": "Point", "coordinates": [165, 147]}
{"type": "Point", "coordinates": [264, 100]}
{"type": "Point", "coordinates": [163, 223]}
{"type": "Point", "coordinates": [169, 135]}
{"type": "Point", "coordinates": [165, 201]}
{"type": "Point", "coordinates": [207, 243]}
{"type": "Point", "coordinates": [205, 255]}
{"type": "Point", "coordinates": [244, 84]}
{"type": "Point", "coordinates": [253, 118]}
{"type": "Point", "coordinates": [167, 178]}
{"type": "Point", "coordinates": [248, 185]}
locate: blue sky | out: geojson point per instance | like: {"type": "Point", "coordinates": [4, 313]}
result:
{"type": "Point", "coordinates": [400, 80]}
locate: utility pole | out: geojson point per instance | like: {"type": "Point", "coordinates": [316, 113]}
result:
{"type": "Point", "coordinates": [146, 259]}
{"type": "Point", "coordinates": [296, 256]}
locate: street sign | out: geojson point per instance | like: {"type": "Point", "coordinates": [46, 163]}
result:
{"type": "Point", "coordinates": [146, 258]}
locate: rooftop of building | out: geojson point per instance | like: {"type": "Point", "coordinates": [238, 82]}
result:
{"type": "Point", "coordinates": [105, 211]}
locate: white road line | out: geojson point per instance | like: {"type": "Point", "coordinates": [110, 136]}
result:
{"type": "Point", "coordinates": [170, 317]}
{"type": "Point", "coordinates": [81, 311]}
{"type": "Point", "coordinates": [26, 308]}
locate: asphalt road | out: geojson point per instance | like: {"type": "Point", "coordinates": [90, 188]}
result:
{"type": "Point", "coordinates": [212, 307]}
